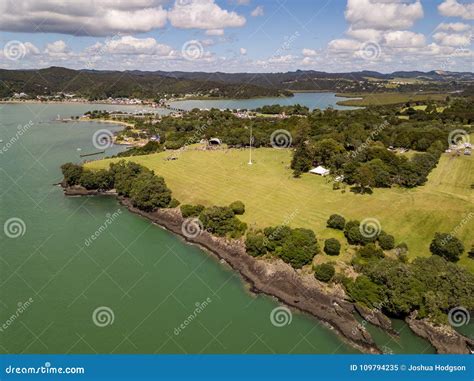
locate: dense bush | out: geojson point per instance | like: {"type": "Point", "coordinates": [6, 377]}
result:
{"type": "Point", "coordinates": [238, 207]}
{"type": "Point", "coordinates": [364, 291]}
{"type": "Point", "coordinates": [324, 272]}
{"type": "Point", "coordinates": [149, 192]}
{"type": "Point", "coordinates": [72, 173]}
{"type": "Point", "coordinates": [221, 221]}
{"type": "Point", "coordinates": [255, 244]}
{"type": "Point", "coordinates": [370, 251]}
{"type": "Point", "coordinates": [299, 248]}
{"type": "Point", "coordinates": [101, 179]}
{"type": "Point", "coordinates": [386, 241]}
{"type": "Point", "coordinates": [332, 246]}
{"type": "Point", "coordinates": [191, 210]}
{"type": "Point", "coordinates": [336, 221]}
{"type": "Point", "coordinates": [125, 173]}
{"type": "Point", "coordinates": [447, 246]}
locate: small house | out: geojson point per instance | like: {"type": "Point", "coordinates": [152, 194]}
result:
{"type": "Point", "coordinates": [320, 170]}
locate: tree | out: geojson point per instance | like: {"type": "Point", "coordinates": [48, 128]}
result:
{"type": "Point", "coordinates": [386, 241]}
{"type": "Point", "coordinates": [72, 173]}
{"type": "Point", "coordinates": [364, 177]}
{"type": "Point", "coordinates": [364, 291]}
{"type": "Point", "coordinates": [149, 192]}
{"type": "Point", "coordinates": [447, 246]}
{"type": "Point", "coordinates": [324, 272]}
{"type": "Point", "coordinates": [301, 161]}
{"type": "Point", "coordinates": [238, 207]}
{"type": "Point", "coordinates": [370, 251]}
{"type": "Point", "coordinates": [221, 221]}
{"type": "Point", "coordinates": [125, 174]}
{"type": "Point", "coordinates": [332, 246]}
{"type": "Point", "coordinates": [299, 247]}
{"type": "Point", "coordinates": [255, 244]}
{"type": "Point", "coordinates": [336, 221]}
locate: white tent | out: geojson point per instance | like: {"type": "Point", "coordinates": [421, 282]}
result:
{"type": "Point", "coordinates": [320, 170]}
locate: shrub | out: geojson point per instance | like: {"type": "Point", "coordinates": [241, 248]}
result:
{"type": "Point", "coordinates": [401, 248]}
{"type": "Point", "coordinates": [336, 221]}
{"type": "Point", "coordinates": [238, 207]}
{"type": "Point", "coordinates": [447, 246]}
{"type": "Point", "coordinates": [370, 251]}
{"type": "Point", "coordinates": [386, 241]}
{"type": "Point", "coordinates": [324, 272]}
{"type": "Point", "coordinates": [364, 291]}
{"type": "Point", "coordinates": [332, 246]}
{"type": "Point", "coordinates": [191, 210]}
{"type": "Point", "coordinates": [101, 179]}
{"type": "Point", "coordinates": [255, 244]}
{"type": "Point", "coordinates": [173, 203]}
{"type": "Point", "coordinates": [299, 247]}
{"type": "Point", "coordinates": [125, 174]}
{"type": "Point", "coordinates": [221, 221]}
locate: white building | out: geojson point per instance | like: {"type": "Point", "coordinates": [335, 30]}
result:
{"type": "Point", "coordinates": [320, 170]}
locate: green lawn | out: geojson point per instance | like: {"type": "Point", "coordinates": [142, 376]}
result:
{"type": "Point", "coordinates": [272, 196]}
{"type": "Point", "coordinates": [388, 98]}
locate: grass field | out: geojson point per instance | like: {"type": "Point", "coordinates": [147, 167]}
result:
{"type": "Point", "coordinates": [272, 196]}
{"type": "Point", "coordinates": [375, 99]}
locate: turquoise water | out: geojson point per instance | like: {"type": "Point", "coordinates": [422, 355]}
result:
{"type": "Point", "coordinates": [311, 100]}
{"type": "Point", "coordinates": [147, 279]}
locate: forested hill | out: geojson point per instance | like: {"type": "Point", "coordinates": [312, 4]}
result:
{"type": "Point", "coordinates": [94, 84]}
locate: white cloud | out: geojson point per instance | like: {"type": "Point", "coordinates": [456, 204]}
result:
{"type": "Point", "coordinates": [365, 34]}
{"type": "Point", "coordinates": [343, 44]}
{"type": "Point", "coordinates": [85, 17]}
{"type": "Point", "coordinates": [404, 39]}
{"type": "Point", "coordinates": [203, 14]}
{"type": "Point", "coordinates": [257, 11]}
{"type": "Point", "coordinates": [132, 45]}
{"type": "Point", "coordinates": [309, 52]}
{"type": "Point", "coordinates": [382, 15]}
{"type": "Point", "coordinates": [57, 47]}
{"type": "Point", "coordinates": [243, 51]}
{"type": "Point", "coordinates": [453, 27]}
{"type": "Point", "coordinates": [454, 39]}
{"type": "Point", "coordinates": [452, 8]}
{"type": "Point", "coordinates": [215, 32]}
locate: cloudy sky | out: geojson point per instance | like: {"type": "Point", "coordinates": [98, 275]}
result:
{"type": "Point", "coordinates": [238, 35]}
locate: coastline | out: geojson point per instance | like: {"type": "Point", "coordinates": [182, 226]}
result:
{"type": "Point", "coordinates": [299, 291]}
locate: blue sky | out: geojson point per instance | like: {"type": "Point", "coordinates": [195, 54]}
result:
{"type": "Point", "coordinates": [238, 35]}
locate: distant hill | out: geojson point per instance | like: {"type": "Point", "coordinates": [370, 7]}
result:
{"type": "Point", "coordinates": [96, 84]}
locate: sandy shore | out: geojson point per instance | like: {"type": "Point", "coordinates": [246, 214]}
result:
{"type": "Point", "coordinates": [300, 291]}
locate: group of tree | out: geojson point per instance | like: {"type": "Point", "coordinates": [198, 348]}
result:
{"type": "Point", "coordinates": [294, 246]}
{"type": "Point", "coordinates": [146, 190]}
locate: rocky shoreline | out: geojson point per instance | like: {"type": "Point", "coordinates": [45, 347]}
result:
{"type": "Point", "coordinates": [301, 291]}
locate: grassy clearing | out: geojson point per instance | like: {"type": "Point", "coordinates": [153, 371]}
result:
{"type": "Point", "coordinates": [388, 98]}
{"type": "Point", "coordinates": [272, 196]}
